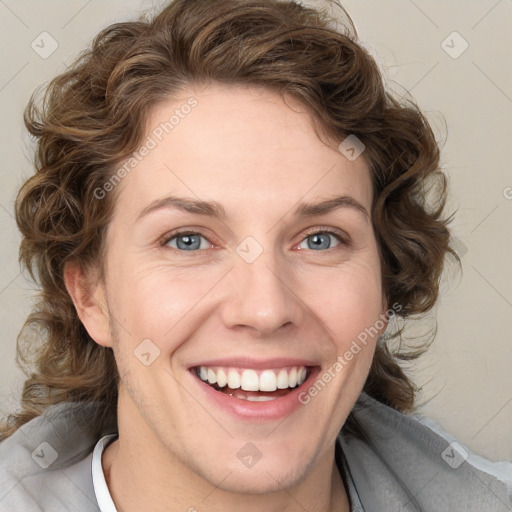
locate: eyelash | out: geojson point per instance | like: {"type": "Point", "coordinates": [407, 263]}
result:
{"type": "Point", "coordinates": [342, 238]}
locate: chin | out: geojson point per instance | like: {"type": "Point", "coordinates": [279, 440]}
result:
{"type": "Point", "coordinates": [261, 478]}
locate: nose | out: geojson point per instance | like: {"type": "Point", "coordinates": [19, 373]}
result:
{"type": "Point", "coordinates": [260, 298]}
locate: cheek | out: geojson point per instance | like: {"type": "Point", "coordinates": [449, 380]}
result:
{"type": "Point", "coordinates": [155, 301]}
{"type": "Point", "coordinates": [149, 312]}
{"type": "Point", "coordinates": [348, 299]}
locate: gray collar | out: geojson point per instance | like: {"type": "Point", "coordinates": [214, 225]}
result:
{"type": "Point", "coordinates": [408, 463]}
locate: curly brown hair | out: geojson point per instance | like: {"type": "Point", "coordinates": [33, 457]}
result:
{"type": "Point", "coordinates": [93, 116]}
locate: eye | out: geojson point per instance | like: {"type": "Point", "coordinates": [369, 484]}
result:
{"type": "Point", "coordinates": [187, 241]}
{"type": "Point", "coordinates": [321, 240]}
{"type": "Point", "coordinates": [191, 241]}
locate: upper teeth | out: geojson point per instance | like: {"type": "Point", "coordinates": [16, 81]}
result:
{"type": "Point", "coordinates": [249, 380]}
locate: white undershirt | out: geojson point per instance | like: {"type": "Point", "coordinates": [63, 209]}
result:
{"type": "Point", "coordinates": [99, 483]}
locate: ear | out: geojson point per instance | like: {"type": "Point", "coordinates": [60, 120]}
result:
{"type": "Point", "coordinates": [88, 295]}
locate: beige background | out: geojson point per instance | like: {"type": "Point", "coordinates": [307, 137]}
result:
{"type": "Point", "coordinates": [466, 376]}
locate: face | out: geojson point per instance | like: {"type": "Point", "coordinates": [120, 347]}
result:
{"type": "Point", "coordinates": [241, 268]}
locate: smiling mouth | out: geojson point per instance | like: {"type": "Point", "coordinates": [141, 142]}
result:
{"type": "Point", "coordinates": [253, 385]}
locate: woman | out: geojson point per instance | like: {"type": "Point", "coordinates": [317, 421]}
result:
{"type": "Point", "coordinates": [228, 210]}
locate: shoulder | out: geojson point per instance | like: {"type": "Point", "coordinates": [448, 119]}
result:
{"type": "Point", "coordinates": [410, 463]}
{"type": "Point", "coordinates": [46, 464]}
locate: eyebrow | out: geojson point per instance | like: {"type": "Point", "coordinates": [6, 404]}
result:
{"type": "Point", "coordinates": [209, 208]}
{"type": "Point", "coordinates": [327, 206]}
{"type": "Point", "coordinates": [216, 210]}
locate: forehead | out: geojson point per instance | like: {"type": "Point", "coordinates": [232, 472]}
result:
{"type": "Point", "coordinates": [239, 145]}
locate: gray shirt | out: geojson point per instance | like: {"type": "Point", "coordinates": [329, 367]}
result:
{"type": "Point", "coordinates": [406, 464]}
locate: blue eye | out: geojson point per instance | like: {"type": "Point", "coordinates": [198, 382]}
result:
{"type": "Point", "coordinates": [320, 240]}
{"type": "Point", "coordinates": [192, 241]}
{"type": "Point", "coordinates": [187, 242]}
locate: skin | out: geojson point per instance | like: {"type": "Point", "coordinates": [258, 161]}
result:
{"type": "Point", "coordinates": [251, 152]}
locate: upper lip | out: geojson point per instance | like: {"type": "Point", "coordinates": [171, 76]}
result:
{"type": "Point", "coordinates": [248, 362]}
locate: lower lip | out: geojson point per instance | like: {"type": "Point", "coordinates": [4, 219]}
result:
{"type": "Point", "coordinates": [257, 411]}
